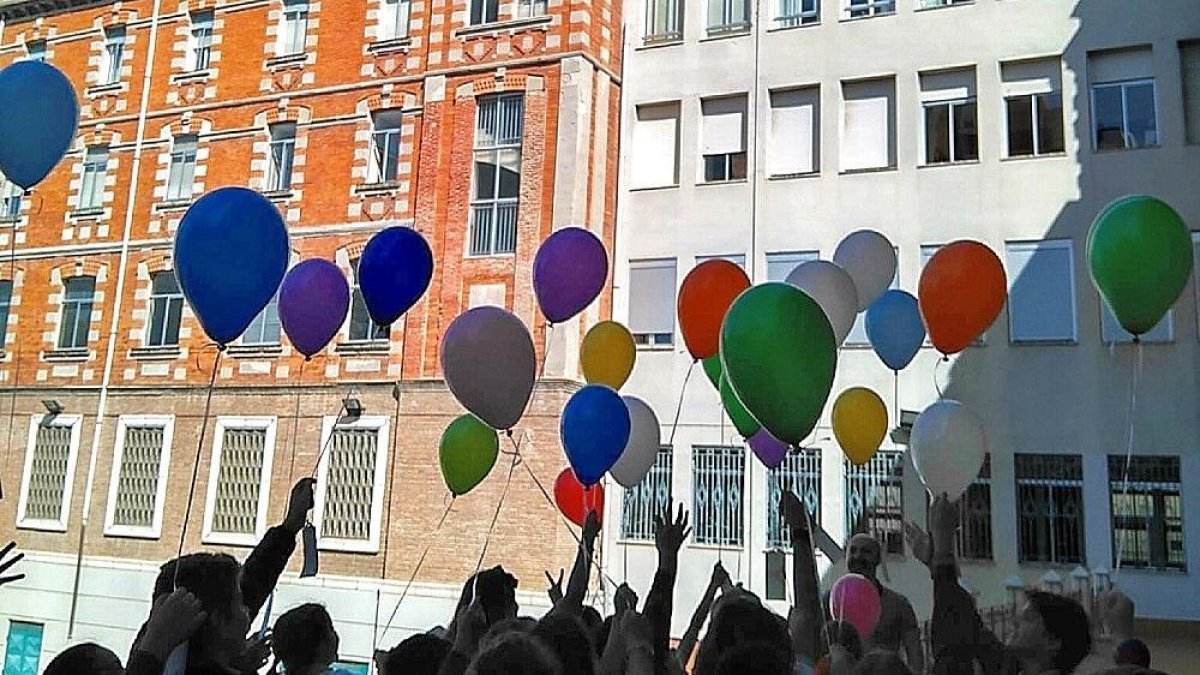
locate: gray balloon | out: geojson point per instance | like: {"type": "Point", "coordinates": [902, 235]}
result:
{"type": "Point", "coordinates": [645, 438]}
{"type": "Point", "coordinates": [489, 364]}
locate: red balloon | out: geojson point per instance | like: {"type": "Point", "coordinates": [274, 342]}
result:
{"type": "Point", "coordinates": [704, 299]}
{"type": "Point", "coordinates": [961, 292]}
{"type": "Point", "coordinates": [576, 501]}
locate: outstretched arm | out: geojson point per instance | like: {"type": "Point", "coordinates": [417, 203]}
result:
{"type": "Point", "coordinates": [577, 584]}
{"type": "Point", "coordinates": [719, 578]}
{"type": "Point", "coordinates": [806, 629]}
{"type": "Point", "coordinates": [669, 536]}
{"type": "Point", "coordinates": [261, 570]}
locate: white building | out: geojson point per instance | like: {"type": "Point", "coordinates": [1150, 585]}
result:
{"type": "Point", "coordinates": [764, 131]}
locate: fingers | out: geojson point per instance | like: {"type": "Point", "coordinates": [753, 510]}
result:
{"type": "Point", "coordinates": [10, 579]}
{"type": "Point", "coordinates": [549, 579]}
{"type": "Point", "coordinates": [9, 563]}
{"type": "Point", "coordinates": [10, 546]}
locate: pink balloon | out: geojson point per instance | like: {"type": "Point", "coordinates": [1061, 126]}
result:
{"type": "Point", "coordinates": [855, 599]}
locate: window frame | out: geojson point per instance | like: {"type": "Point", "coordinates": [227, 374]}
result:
{"type": "Point", "coordinates": [499, 208]}
{"type": "Point", "coordinates": [952, 118]}
{"type": "Point", "coordinates": [6, 307]}
{"type": "Point", "coordinates": [10, 203]}
{"type": "Point", "coordinates": [260, 323]}
{"type": "Point", "coordinates": [868, 9]}
{"type": "Point", "coordinates": [894, 477]}
{"type": "Point", "coordinates": [183, 159]}
{"type": "Point", "coordinates": [147, 338]}
{"type": "Point", "coordinates": [736, 455]}
{"type": "Point", "coordinates": [124, 422]}
{"type": "Point", "coordinates": [802, 17]}
{"type": "Point", "coordinates": [673, 26]}
{"type": "Point", "coordinates": [95, 173]}
{"type": "Point", "coordinates": [36, 50]}
{"type": "Point", "coordinates": [112, 54]}
{"type": "Point", "coordinates": [380, 425]}
{"type": "Point", "coordinates": [810, 461]}
{"type": "Point", "coordinates": [356, 301]}
{"type": "Point", "coordinates": [293, 28]}
{"type": "Point", "coordinates": [385, 140]}
{"type": "Point", "coordinates": [394, 23]}
{"type": "Point", "coordinates": [485, 17]}
{"type": "Point", "coordinates": [202, 26]}
{"type": "Point", "coordinates": [1118, 488]}
{"type": "Point", "coordinates": [75, 423]}
{"type": "Point", "coordinates": [90, 303]}
{"type": "Point", "coordinates": [1124, 85]}
{"type": "Point", "coordinates": [266, 423]}
{"type": "Point", "coordinates": [1036, 125]}
{"type": "Point", "coordinates": [1051, 484]}
{"type": "Point", "coordinates": [1033, 247]}
{"type": "Point", "coordinates": [279, 180]}
{"type": "Point", "coordinates": [643, 532]}
{"type": "Point", "coordinates": [652, 343]}
{"type": "Point", "coordinates": [728, 26]}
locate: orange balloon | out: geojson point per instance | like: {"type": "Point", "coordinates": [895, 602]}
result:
{"type": "Point", "coordinates": [704, 298]}
{"type": "Point", "coordinates": [962, 291]}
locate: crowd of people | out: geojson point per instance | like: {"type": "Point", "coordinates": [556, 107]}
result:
{"type": "Point", "coordinates": [203, 605]}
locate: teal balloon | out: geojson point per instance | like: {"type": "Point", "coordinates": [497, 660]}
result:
{"type": "Point", "coordinates": [1140, 256]}
{"type": "Point", "coordinates": [742, 420]}
{"type": "Point", "coordinates": [779, 355]}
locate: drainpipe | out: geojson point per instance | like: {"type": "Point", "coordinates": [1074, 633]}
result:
{"type": "Point", "coordinates": [114, 323]}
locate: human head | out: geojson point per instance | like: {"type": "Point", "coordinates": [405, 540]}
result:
{"type": "Point", "coordinates": [516, 653]}
{"type": "Point", "coordinates": [304, 638]}
{"type": "Point", "coordinates": [88, 658]}
{"type": "Point", "coordinates": [845, 635]}
{"type": "Point", "coordinates": [497, 592]}
{"type": "Point", "coordinates": [215, 580]}
{"type": "Point", "coordinates": [1052, 630]}
{"type": "Point", "coordinates": [863, 555]}
{"type": "Point", "coordinates": [881, 662]}
{"type": "Point", "coordinates": [570, 641]}
{"type": "Point", "coordinates": [1132, 652]}
{"type": "Point", "coordinates": [756, 658]}
{"type": "Point", "coordinates": [420, 654]}
{"type": "Point", "coordinates": [739, 621]}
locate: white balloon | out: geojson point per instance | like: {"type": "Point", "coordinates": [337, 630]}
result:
{"type": "Point", "coordinates": [645, 438]}
{"type": "Point", "coordinates": [948, 448]}
{"type": "Point", "coordinates": [870, 259]}
{"type": "Point", "coordinates": [834, 291]}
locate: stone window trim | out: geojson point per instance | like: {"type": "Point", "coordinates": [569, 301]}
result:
{"type": "Point", "coordinates": [90, 213]}
{"type": "Point", "coordinates": [106, 89]}
{"type": "Point", "coordinates": [74, 423]}
{"type": "Point", "coordinates": [402, 44]}
{"type": "Point", "coordinates": [270, 426]}
{"type": "Point", "coordinates": [380, 425]}
{"type": "Point", "coordinates": [289, 61]}
{"type": "Point", "coordinates": [125, 422]}
{"type": "Point", "coordinates": [254, 351]}
{"type": "Point", "coordinates": [79, 355]}
{"type": "Point", "coordinates": [192, 76]}
{"type": "Point", "coordinates": [510, 26]}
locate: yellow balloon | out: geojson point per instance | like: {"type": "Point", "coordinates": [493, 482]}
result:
{"type": "Point", "coordinates": [860, 422]}
{"type": "Point", "coordinates": [607, 354]}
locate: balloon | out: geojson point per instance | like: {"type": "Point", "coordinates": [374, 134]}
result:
{"type": "Point", "coordinates": [467, 453]}
{"type": "Point", "coordinates": [860, 421]}
{"type": "Point", "coordinates": [394, 272]}
{"type": "Point", "coordinates": [231, 252]}
{"type": "Point", "coordinates": [595, 429]}
{"type": "Point", "coordinates": [607, 354]}
{"type": "Point", "coordinates": [834, 291]}
{"type": "Point", "coordinates": [777, 351]}
{"type": "Point", "coordinates": [870, 260]}
{"type": "Point", "coordinates": [948, 448]}
{"type": "Point", "coordinates": [894, 328]}
{"type": "Point", "coordinates": [704, 298]}
{"type": "Point", "coordinates": [855, 599]}
{"type": "Point", "coordinates": [489, 364]}
{"type": "Point", "coordinates": [40, 117]}
{"type": "Point", "coordinates": [569, 272]}
{"type": "Point", "coordinates": [1140, 256]}
{"type": "Point", "coordinates": [645, 439]}
{"type": "Point", "coordinates": [575, 501]}
{"type": "Point", "coordinates": [742, 420]}
{"type": "Point", "coordinates": [712, 370]}
{"type": "Point", "coordinates": [313, 300]}
{"type": "Point", "coordinates": [770, 450]}
{"type": "Point", "coordinates": [961, 292]}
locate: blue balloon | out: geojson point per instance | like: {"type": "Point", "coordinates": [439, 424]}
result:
{"type": "Point", "coordinates": [231, 252]}
{"type": "Point", "coordinates": [40, 115]}
{"type": "Point", "coordinates": [594, 429]}
{"type": "Point", "coordinates": [394, 272]}
{"type": "Point", "coordinates": [895, 329]}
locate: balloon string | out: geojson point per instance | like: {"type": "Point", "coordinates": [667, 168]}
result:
{"type": "Point", "coordinates": [420, 561]}
{"type": "Point", "coordinates": [1133, 396]}
{"type": "Point", "coordinates": [896, 397]}
{"type": "Point", "coordinates": [496, 515]}
{"type": "Point", "coordinates": [187, 511]}
{"type": "Point", "coordinates": [325, 446]}
{"type": "Point", "coordinates": [679, 408]}
{"type": "Point", "coordinates": [296, 421]}
{"type": "Point", "coordinates": [816, 573]}
{"type": "Point", "coordinates": [16, 371]}
{"type": "Point", "coordinates": [936, 367]}
{"type": "Point", "coordinates": [721, 513]}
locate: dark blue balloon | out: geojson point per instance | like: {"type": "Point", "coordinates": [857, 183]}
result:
{"type": "Point", "coordinates": [895, 329]}
{"type": "Point", "coordinates": [394, 272]}
{"type": "Point", "coordinates": [594, 430]}
{"type": "Point", "coordinates": [38, 122]}
{"type": "Point", "coordinates": [231, 251]}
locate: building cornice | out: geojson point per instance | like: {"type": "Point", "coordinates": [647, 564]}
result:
{"type": "Point", "coordinates": [15, 10]}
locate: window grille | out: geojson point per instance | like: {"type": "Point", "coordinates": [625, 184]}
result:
{"type": "Point", "coordinates": [1050, 508]}
{"type": "Point", "coordinates": [48, 473]}
{"type": "Point", "coordinates": [137, 482]}
{"type": "Point", "coordinates": [647, 499]}
{"type": "Point", "coordinates": [350, 484]}
{"type": "Point", "coordinates": [800, 474]}
{"type": "Point", "coordinates": [718, 474]}
{"type": "Point", "coordinates": [1147, 513]}
{"type": "Point", "coordinates": [875, 499]}
{"type": "Point", "coordinates": [239, 478]}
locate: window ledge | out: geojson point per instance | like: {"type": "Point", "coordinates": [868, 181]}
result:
{"type": "Point", "coordinates": [400, 44]}
{"type": "Point", "coordinates": [123, 532]}
{"type": "Point", "coordinates": [849, 19]}
{"type": "Point", "coordinates": [380, 347]}
{"type": "Point", "coordinates": [41, 525]}
{"type": "Point", "coordinates": [1025, 158]}
{"type": "Point", "coordinates": [793, 176]}
{"type": "Point", "coordinates": [1043, 343]}
{"type": "Point", "coordinates": [664, 40]}
{"type": "Point", "coordinates": [82, 214]}
{"type": "Point", "coordinates": [110, 88]}
{"type": "Point", "coordinates": [735, 181]}
{"type": "Point", "coordinates": [279, 195]}
{"type": "Point", "coordinates": [227, 539]}
{"type": "Point", "coordinates": [1117, 151]}
{"type": "Point", "coordinates": [512, 25]}
{"type": "Point", "coordinates": [635, 542]}
{"type": "Point", "coordinates": [251, 351]}
{"type": "Point", "coordinates": [173, 205]}
{"type": "Point", "coordinates": [942, 165]}
{"type": "Point", "coordinates": [347, 546]}
{"type": "Point", "coordinates": [488, 256]}
{"type": "Point", "coordinates": [66, 355]}
{"type": "Point", "coordinates": [192, 76]}
{"type": "Point", "coordinates": [10, 220]}
{"type": "Point", "coordinates": [656, 348]}
{"type": "Point", "coordinates": [934, 8]}
{"type": "Point", "coordinates": [871, 169]}
{"type": "Point", "coordinates": [725, 33]}
{"type": "Point", "coordinates": [376, 188]}
{"type": "Point", "coordinates": [856, 346]}
{"type": "Point", "coordinates": [654, 188]}
{"type": "Point", "coordinates": [776, 28]}
{"type": "Point", "coordinates": [287, 60]}
{"type": "Point", "coordinates": [166, 353]}
{"type": "Point", "coordinates": [1170, 571]}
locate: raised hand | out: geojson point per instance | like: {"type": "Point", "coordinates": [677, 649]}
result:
{"type": "Point", "coordinates": [255, 655]}
{"type": "Point", "coordinates": [6, 564]}
{"type": "Point", "coordinates": [625, 599]}
{"type": "Point", "coordinates": [669, 535]}
{"type": "Point", "coordinates": [173, 619]}
{"type": "Point", "coordinates": [919, 542]}
{"type": "Point", "coordinates": [555, 591]}
{"type": "Point", "coordinates": [720, 577]}
{"type": "Point", "coordinates": [943, 515]}
{"type": "Point", "coordinates": [792, 511]}
{"type": "Point", "coordinates": [300, 503]}
{"type": "Point", "coordinates": [591, 528]}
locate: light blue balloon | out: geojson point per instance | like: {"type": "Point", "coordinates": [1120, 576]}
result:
{"type": "Point", "coordinates": [231, 252]}
{"type": "Point", "coordinates": [895, 329]}
{"type": "Point", "coordinates": [38, 117]}
{"type": "Point", "coordinates": [595, 430]}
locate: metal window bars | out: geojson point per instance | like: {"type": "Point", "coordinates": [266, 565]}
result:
{"type": "Point", "coordinates": [1050, 508]}
{"type": "Point", "coordinates": [239, 476]}
{"type": "Point", "coordinates": [792, 13]}
{"type": "Point", "coordinates": [350, 484]}
{"type": "Point", "coordinates": [863, 8]}
{"type": "Point", "coordinates": [48, 473]}
{"type": "Point", "coordinates": [718, 476]}
{"type": "Point", "coordinates": [137, 477]}
{"type": "Point", "coordinates": [875, 499]}
{"type": "Point", "coordinates": [662, 21]}
{"type": "Point", "coordinates": [1147, 512]}
{"type": "Point", "coordinates": [648, 498]}
{"type": "Point", "coordinates": [800, 473]}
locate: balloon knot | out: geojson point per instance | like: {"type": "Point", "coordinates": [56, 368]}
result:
{"type": "Point", "coordinates": [508, 432]}
{"type": "Point", "coordinates": [945, 358]}
{"type": "Point", "coordinates": [1137, 339]}
{"type": "Point", "coordinates": [307, 359]}
{"type": "Point", "coordinates": [221, 347]}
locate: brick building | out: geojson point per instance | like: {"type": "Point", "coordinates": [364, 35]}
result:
{"type": "Point", "coordinates": [483, 124]}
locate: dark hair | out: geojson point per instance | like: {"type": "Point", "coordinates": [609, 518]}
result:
{"type": "Point", "coordinates": [89, 658]}
{"type": "Point", "coordinates": [303, 635]}
{"type": "Point", "coordinates": [570, 641]}
{"type": "Point", "coordinates": [1065, 620]}
{"type": "Point", "coordinates": [735, 623]}
{"type": "Point", "coordinates": [881, 662]}
{"type": "Point", "coordinates": [496, 589]}
{"type": "Point", "coordinates": [594, 624]}
{"type": "Point", "coordinates": [600, 637]}
{"type": "Point", "coordinates": [516, 653]}
{"type": "Point", "coordinates": [1132, 652]}
{"type": "Point", "coordinates": [419, 654]}
{"type": "Point", "coordinates": [212, 577]}
{"type": "Point", "coordinates": [844, 634]}
{"type": "Point", "coordinates": [755, 658]}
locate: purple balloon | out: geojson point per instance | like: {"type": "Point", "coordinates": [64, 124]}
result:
{"type": "Point", "coordinates": [313, 301]}
{"type": "Point", "coordinates": [770, 450]}
{"type": "Point", "coordinates": [569, 272]}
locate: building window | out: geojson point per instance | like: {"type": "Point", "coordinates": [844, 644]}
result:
{"type": "Point", "coordinates": [293, 27]}
{"type": "Point", "coordinates": [352, 471]}
{"type": "Point", "coordinates": [23, 650]}
{"type": "Point", "coordinates": [497, 178]}
{"type": "Point", "coordinates": [1050, 508]}
{"type": "Point", "coordinates": [239, 481]}
{"type": "Point", "coordinates": [718, 474]}
{"type": "Point", "coordinates": [114, 49]}
{"type": "Point", "coordinates": [800, 474]}
{"type": "Point", "coordinates": [858, 9]}
{"type": "Point", "coordinates": [652, 302]}
{"type": "Point", "coordinates": [95, 168]}
{"type": "Point", "coordinates": [10, 200]}
{"type": "Point", "coordinates": [738, 259]}
{"type": "Point", "coordinates": [930, 4]}
{"type": "Point", "coordinates": [530, 8]}
{"type": "Point", "coordinates": [45, 500]}
{"type": "Point", "coordinates": [1041, 291]}
{"type": "Point", "coordinates": [138, 487]}
{"type": "Point", "coordinates": [662, 21]}
{"type": "Point", "coordinates": [951, 132]}
{"type": "Point", "coordinates": [1111, 331]}
{"type": "Point", "coordinates": [1189, 59]}
{"type": "Point", "coordinates": [728, 16]}
{"type": "Point", "coordinates": [1124, 114]}
{"type": "Point", "coordinates": [385, 146]}
{"type": "Point", "coordinates": [723, 139]}
{"type": "Point", "coordinates": [868, 125]}
{"type": "Point", "coordinates": [393, 19]}
{"type": "Point", "coordinates": [1147, 512]}
{"type": "Point", "coordinates": [974, 536]}
{"type": "Point", "coordinates": [781, 264]}
{"type": "Point", "coordinates": [648, 499]}
{"type": "Point", "coordinates": [200, 40]}
{"type": "Point", "coordinates": [166, 310]}
{"type": "Point", "coordinates": [362, 327]}
{"type": "Point", "coordinates": [79, 295]}
{"type": "Point", "coordinates": [1033, 106]}
{"type": "Point", "coordinates": [875, 499]}
{"type": "Point", "coordinates": [6, 289]}
{"type": "Point", "coordinates": [484, 11]}
{"type": "Point", "coordinates": [794, 143]}
{"type": "Point", "coordinates": [791, 13]}
{"type": "Point", "coordinates": [36, 51]}
{"type": "Point", "coordinates": [182, 173]}
{"type": "Point", "coordinates": [265, 328]}
{"type": "Point", "coordinates": [654, 146]}
{"type": "Point", "coordinates": [283, 153]}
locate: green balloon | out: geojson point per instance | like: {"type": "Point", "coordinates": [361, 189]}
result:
{"type": "Point", "coordinates": [778, 352]}
{"type": "Point", "coordinates": [743, 421]}
{"type": "Point", "coordinates": [467, 453]}
{"type": "Point", "coordinates": [1140, 255]}
{"type": "Point", "coordinates": [712, 369]}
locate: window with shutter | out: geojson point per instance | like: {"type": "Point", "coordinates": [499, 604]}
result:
{"type": "Point", "coordinates": [1041, 293]}
{"type": "Point", "coordinates": [793, 143]}
{"type": "Point", "coordinates": [654, 146]}
{"type": "Point", "coordinates": [868, 125]}
{"type": "Point", "coordinates": [652, 302]}
{"type": "Point", "coordinates": [1189, 61]}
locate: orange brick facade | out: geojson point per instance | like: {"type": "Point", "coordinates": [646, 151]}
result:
{"type": "Point", "coordinates": [566, 65]}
